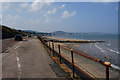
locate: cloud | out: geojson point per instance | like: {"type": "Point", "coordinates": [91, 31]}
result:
{"type": "Point", "coordinates": [24, 5]}
{"type": "Point", "coordinates": [20, 22]}
{"type": "Point", "coordinates": [44, 0]}
{"type": "Point", "coordinates": [0, 16]}
{"type": "Point", "coordinates": [30, 7]}
{"type": "Point", "coordinates": [67, 14]}
{"type": "Point", "coordinates": [46, 18]}
{"type": "Point", "coordinates": [60, 1]}
{"type": "Point", "coordinates": [10, 6]}
{"type": "Point", "coordinates": [36, 5]}
{"type": "Point", "coordinates": [53, 11]}
{"type": "Point", "coordinates": [6, 6]}
{"type": "Point", "coordinates": [49, 12]}
{"type": "Point", "coordinates": [62, 6]}
{"type": "Point", "coordinates": [11, 20]}
{"type": "Point", "coordinates": [0, 12]}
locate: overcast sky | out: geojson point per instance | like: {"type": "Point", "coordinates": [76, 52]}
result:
{"type": "Point", "coordinates": [61, 16]}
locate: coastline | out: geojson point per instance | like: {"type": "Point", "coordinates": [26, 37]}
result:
{"type": "Point", "coordinates": [90, 66]}
{"type": "Point", "coordinates": [63, 40]}
{"type": "Point", "coordinates": [93, 49]}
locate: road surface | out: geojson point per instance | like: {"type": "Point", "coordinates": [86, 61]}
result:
{"type": "Point", "coordinates": [27, 59]}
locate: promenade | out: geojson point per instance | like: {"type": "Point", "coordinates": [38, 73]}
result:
{"type": "Point", "coordinates": [27, 59]}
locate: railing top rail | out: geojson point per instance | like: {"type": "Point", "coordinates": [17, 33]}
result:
{"type": "Point", "coordinates": [105, 63]}
{"type": "Point", "coordinates": [80, 53]}
{"type": "Point", "coordinates": [90, 76]}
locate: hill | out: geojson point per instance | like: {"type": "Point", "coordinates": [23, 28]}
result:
{"type": "Point", "coordinates": [9, 32]}
{"type": "Point", "coordinates": [30, 31]}
{"type": "Point", "coordinates": [60, 33]}
{"type": "Point", "coordinates": [79, 33]}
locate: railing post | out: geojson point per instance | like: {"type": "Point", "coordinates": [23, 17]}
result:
{"type": "Point", "coordinates": [49, 46]}
{"type": "Point", "coordinates": [107, 64]}
{"type": "Point", "coordinates": [107, 72]}
{"type": "Point", "coordinates": [53, 49]}
{"type": "Point", "coordinates": [59, 53]}
{"type": "Point", "coordinates": [72, 62]}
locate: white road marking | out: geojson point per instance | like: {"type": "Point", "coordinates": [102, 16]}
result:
{"type": "Point", "coordinates": [16, 47]}
{"type": "Point", "coordinates": [18, 62]}
{"type": "Point", "coordinates": [19, 66]}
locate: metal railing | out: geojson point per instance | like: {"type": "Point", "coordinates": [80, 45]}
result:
{"type": "Point", "coordinates": [72, 65]}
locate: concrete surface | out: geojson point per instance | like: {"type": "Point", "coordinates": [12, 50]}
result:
{"type": "Point", "coordinates": [27, 59]}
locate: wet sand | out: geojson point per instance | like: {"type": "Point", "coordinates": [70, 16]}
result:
{"type": "Point", "coordinates": [93, 68]}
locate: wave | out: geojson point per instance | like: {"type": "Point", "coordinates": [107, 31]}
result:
{"type": "Point", "coordinates": [107, 48]}
{"type": "Point", "coordinates": [99, 48]}
{"type": "Point", "coordinates": [113, 51]}
{"type": "Point", "coordinates": [109, 44]}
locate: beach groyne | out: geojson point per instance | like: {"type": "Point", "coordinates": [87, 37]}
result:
{"type": "Point", "coordinates": [61, 40]}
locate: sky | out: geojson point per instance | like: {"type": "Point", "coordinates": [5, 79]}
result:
{"type": "Point", "coordinates": [61, 16]}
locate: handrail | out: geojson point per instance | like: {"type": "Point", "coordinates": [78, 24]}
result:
{"type": "Point", "coordinates": [80, 53]}
{"type": "Point", "coordinates": [70, 64]}
{"type": "Point", "coordinates": [105, 63]}
{"type": "Point", "coordinates": [115, 67]}
{"type": "Point", "coordinates": [73, 64]}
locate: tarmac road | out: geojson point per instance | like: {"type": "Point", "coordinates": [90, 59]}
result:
{"type": "Point", "coordinates": [27, 59]}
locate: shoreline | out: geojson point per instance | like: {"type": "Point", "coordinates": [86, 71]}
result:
{"type": "Point", "coordinates": [85, 46]}
{"type": "Point", "coordinates": [92, 67]}
{"type": "Point", "coordinates": [62, 40]}
{"type": "Point", "coordinates": [88, 65]}
{"type": "Point", "coordinates": [94, 52]}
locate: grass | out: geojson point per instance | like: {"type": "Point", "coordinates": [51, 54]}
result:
{"type": "Point", "coordinates": [9, 32]}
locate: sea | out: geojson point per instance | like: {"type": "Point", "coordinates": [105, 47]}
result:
{"type": "Point", "coordinates": [106, 51]}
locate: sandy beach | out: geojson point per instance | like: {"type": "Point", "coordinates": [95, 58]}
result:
{"type": "Point", "coordinates": [95, 69]}
{"type": "Point", "coordinates": [63, 40]}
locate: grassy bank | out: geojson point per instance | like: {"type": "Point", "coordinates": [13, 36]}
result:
{"type": "Point", "coordinates": [10, 33]}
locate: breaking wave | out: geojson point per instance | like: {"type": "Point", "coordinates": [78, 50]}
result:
{"type": "Point", "coordinates": [99, 48]}
{"type": "Point", "coordinates": [113, 51]}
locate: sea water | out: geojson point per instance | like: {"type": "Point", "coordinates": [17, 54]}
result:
{"type": "Point", "coordinates": [107, 51]}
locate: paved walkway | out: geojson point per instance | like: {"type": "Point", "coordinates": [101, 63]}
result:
{"type": "Point", "coordinates": [27, 59]}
